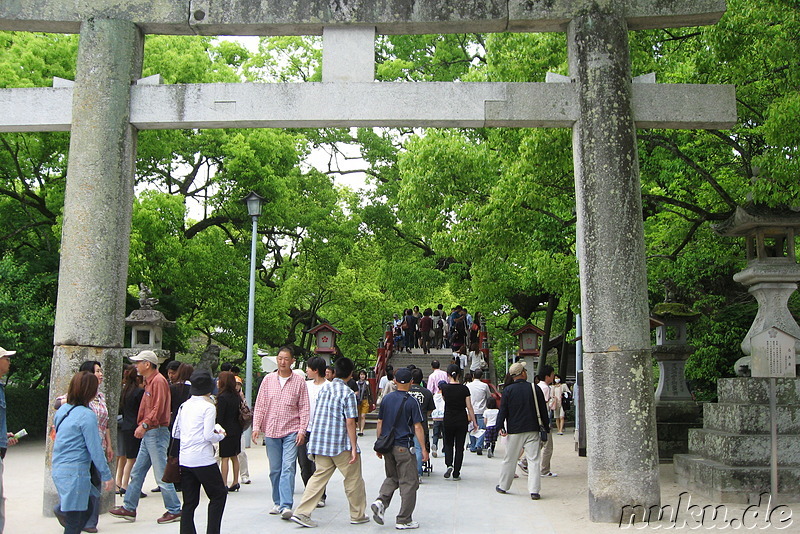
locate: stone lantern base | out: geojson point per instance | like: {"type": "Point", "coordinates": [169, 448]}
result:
{"type": "Point", "coordinates": [729, 458]}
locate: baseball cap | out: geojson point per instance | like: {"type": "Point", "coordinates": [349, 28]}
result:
{"type": "Point", "coordinates": [147, 356]}
{"type": "Point", "coordinates": [516, 369]}
{"type": "Point", "coordinates": [4, 352]}
{"type": "Point", "coordinates": [402, 375]}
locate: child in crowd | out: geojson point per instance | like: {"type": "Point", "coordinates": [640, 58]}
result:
{"type": "Point", "coordinates": [490, 420]}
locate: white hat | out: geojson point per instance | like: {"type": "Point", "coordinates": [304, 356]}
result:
{"type": "Point", "coordinates": [4, 352]}
{"type": "Point", "coordinates": [147, 356]}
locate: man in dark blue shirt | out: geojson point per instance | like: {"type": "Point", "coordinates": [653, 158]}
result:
{"type": "Point", "coordinates": [400, 413]}
{"type": "Point", "coordinates": [518, 420]}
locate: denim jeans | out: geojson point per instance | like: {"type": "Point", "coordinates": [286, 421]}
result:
{"type": "Point", "coordinates": [418, 454]}
{"type": "Point", "coordinates": [477, 443]}
{"type": "Point", "coordinates": [152, 452]}
{"type": "Point", "coordinates": [282, 455]}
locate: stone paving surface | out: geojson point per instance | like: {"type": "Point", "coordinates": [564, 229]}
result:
{"type": "Point", "coordinates": [470, 506]}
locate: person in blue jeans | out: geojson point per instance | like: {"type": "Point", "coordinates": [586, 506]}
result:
{"type": "Point", "coordinates": [479, 393]}
{"type": "Point", "coordinates": [425, 399]}
{"type": "Point", "coordinates": [153, 429]}
{"type": "Point", "coordinates": [76, 448]}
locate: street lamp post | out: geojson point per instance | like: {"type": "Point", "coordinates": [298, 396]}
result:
{"type": "Point", "coordinates": [253, 201]}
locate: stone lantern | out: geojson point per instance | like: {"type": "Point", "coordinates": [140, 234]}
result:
{"type": "Point", "coordinates": [147, 326]}
{"type": "Point", "coordinates": [747, 446]}
{"type": "Point", "coordinates": [529, 343]}
{"type": "Point", "coordinates": [772, 270]}
{"type": "Point", "coordinates": [325, 336]}
{"type": "Point", "coordinates": [676, 411]}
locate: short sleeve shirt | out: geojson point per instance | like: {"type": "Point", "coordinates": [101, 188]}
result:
{"type": "Point", "coordinates": [455, 403]}
{"type": "Point", "coordinates": [412, 414]}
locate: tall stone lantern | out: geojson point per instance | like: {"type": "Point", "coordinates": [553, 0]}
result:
{"type": "Point", "coordinates": [748, 444]}
{"type": "Point", "coordinates": [676, 411]}
{"type": "Point", "coordinates": [772, 270]}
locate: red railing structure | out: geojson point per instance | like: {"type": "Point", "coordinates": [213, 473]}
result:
{"type": "Point", "coordinates": [385, 348]}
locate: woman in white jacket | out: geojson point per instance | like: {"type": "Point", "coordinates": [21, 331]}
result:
{"type": "Point", "coordinates": [195, 428]}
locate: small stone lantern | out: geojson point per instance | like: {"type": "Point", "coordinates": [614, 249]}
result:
{"type": "Point", "coordinates": [529, 342]}
{"type": "Point", "coordinates": [147, 326]}
{"type": "Point", "coordinates": [325, 340]}
{"type": "Point", "coordinates": [676, 411]}
{"type": "Point", "coordinates": [672, 350]}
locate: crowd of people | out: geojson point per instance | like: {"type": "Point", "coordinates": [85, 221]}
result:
{"type": "Point", "coordinates": [312, 419]}
{"type": "Point", "coordinates": [435, 329]}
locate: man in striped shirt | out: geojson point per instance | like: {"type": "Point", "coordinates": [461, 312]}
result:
{"type": "Point", "coordinates": [333, 445]}
{"type": "Point", "coordinates": [281, 413]}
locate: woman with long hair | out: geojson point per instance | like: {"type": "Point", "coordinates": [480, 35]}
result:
{"type": "Point", "coordinates": [458, 413]}
{"type": "Point", "coordinates": [228, 403]}
{"type": "Point", "coordinates": [77, 447]}
{"type": "Point", "coordinates": [129, 402]}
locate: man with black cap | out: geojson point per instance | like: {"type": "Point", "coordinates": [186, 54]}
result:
{"type": "Point", "coordinates": [6, 439]}
{"type": "Point", "coordinates": [153, 430]}
{"type": "Point", "coordinates": [518, 420]}
{"type": "Point", "coordinates": [401, 414]}
{"type": "Point", "coordinates": [195, 427]}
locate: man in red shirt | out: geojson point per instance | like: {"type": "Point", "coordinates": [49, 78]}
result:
{"type": "Point", "coordinates": [153, 430]}
{"type": "Point", "coordinates": [281, 413]}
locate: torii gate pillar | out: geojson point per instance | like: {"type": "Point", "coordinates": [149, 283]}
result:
{"type": "Point", "coordinates": [90, 317]}
{"type": "Point", "coordinates": [623, 466]}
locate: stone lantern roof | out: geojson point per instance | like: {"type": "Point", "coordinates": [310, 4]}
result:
{"type": "Point", "coordinates": [674, 310]}
{"type": "Point", "coordinates": [149, 318]}
{"type": "Point", "coordinates": [751, 217]}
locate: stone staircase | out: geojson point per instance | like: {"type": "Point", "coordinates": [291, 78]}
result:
{"type": "Point", "coordinates": [423, 361]}
{"type": "Point", "coordinates": [729, 457]}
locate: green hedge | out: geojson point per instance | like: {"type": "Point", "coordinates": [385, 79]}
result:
{"type": "Point", "coordinates": [27, 408]}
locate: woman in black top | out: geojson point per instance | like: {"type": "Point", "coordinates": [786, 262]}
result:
{"type": "Point", "coordinates": [129, 409]}
{"type": "Point", "coordinates": [228, 401]}
{"type": "Point", "coordinates": [458, 414]}
{"type": "Point", "coordinates": [179, 391]}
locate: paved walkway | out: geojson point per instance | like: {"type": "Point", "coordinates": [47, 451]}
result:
{"type": "Point", "coordinates": [443, 506]}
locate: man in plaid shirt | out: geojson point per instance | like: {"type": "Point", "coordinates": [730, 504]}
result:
{"type": "Point", "coordinates": [281, 413]}
{"type": "Point", "coordinates": [333, 446]}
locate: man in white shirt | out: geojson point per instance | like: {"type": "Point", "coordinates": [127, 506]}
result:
{"type": "Point", "coordinates": [479, 392]}
{"type": "Point", "coordinates": [315, 371]}
{"type": "Point", "coordinates": [546, 376]}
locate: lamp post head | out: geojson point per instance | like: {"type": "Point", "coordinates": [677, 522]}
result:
{"type": "Point", "coordinates": [254, 202]}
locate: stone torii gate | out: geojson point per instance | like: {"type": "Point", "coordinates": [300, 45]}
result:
{"type": "Point", "coordinates": [108, 104]}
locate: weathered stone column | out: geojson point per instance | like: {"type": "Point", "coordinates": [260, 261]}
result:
{"type": "Point", "coordinates": [621, 425]}
{"type": "Point", "coordinates": [97, 214]}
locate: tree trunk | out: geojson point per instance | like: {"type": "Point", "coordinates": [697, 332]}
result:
{"type": "Point", "coordinates": [552, 306]}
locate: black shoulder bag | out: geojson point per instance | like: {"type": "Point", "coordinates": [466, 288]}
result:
{"type": "Point", "coordinates": [385, 441]}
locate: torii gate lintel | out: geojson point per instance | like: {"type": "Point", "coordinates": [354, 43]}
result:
{"type": "Point", "coordinates": [601, 105]}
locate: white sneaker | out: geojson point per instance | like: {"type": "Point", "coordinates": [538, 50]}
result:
{"type": "Point", "coordinates": [275, 510]}
{"type": "Point", "coordinates": [407, 526]}
{"type": "Point", "coordinates": [359, 521]}
{"type": "Point", "coordinates": [550, 474]}
{"type": "Point", "coordinates": [286, 513]}
{"type": "Point", "coordinates": [377, 511]}
{"type": "Point", "coordinates": [321, 503]}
